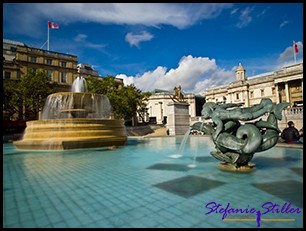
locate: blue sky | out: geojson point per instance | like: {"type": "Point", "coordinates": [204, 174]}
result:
{"type": "Point", "coordinates": [162, 45]}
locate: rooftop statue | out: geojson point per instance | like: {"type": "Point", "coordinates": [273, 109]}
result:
{"type": "Point", "coordinates": [236, 143]}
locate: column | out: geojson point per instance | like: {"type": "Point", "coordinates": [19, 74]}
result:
{"type": "Point", "coordinates": [287, 92]}
{"type": "Point", "coordinates": [247, 101]}
{"type": "Point", "coordinates": [277, 93]}
{"type": "Point", "coordinates": [302, 88]}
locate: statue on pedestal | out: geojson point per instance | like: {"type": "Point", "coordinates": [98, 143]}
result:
{"type": "Point", "coordinates": [178, 95]}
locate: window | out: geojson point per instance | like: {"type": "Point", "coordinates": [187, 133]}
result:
{"type": "Point", "coordinates": [88, 68]}
{"type": "Point", "coordinates": [33, 59]}
{"type": "Point", "coordinates": [63, 77]}
{"type": "Point", "coordinates": [13, 49]}
{"type": "Point", "coordinates": [262, 92]}
{"type": "Point", "coordinates": [251, 94]}
{"type": "Point", "coordinates": [49, 75]}
{"type": "Point", "coordinates": [273, 90]}
{"type": "Point", "coordinates": [7, 75]}
{"type": "Point", "coordinates": [224, 99]}
{"type": "Point", "coordinates": [237, 95]}
{"type": "Point", "coordinates": [63, 64]}
{"type": "Point", "coordinates": [49, 61]}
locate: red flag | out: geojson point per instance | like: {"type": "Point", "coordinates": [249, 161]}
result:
{"type": "Point", "coordinates": [53, 25]}
{"type": "Point", "coordinates": [296, 50]}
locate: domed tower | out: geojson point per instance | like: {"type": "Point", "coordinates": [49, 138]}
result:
{"type": "Point", "coordinates": [240, 73]}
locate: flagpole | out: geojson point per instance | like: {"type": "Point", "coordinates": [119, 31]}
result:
{"type": "Point", "coordinates": [43, 44]}
{"type": "Point", "coordinates": [48, 37]}
{"type": "Point", "coordinates": [294, 55]}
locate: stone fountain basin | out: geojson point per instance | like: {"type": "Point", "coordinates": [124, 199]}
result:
{"type": "Point", "coordinates": [61, 134]}
{"type": "Point", "coordinates": [77, 113]}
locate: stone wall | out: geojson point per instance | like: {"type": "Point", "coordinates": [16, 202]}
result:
{"type": "Point", "coordinates": [142, 130]}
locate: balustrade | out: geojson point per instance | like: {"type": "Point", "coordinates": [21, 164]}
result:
{"type": "Point", "coordinates": [294, 111]}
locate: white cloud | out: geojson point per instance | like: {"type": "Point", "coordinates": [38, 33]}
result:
{"type": "Point", "coordinates": [287, 57]}
{"type": "Point", "coordinates": [283, 24]}
{"type": "Point", "coordinates": [82, 39]}
{"type": "Point", "coordinates": [194, 74]}
{"type": "Point", "coordinates": [245, 17]}
{"type": "Point", "coordinates": [135, 39]}
{"type": "Point", "coordinates": [234, 11]}
{"type": "Point", "coordinates": [263, 12]}
{"type": "Point", "coordinates": [180, 15]}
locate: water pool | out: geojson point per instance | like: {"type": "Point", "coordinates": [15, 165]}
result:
{"type": "Point", "coordinates": [140, 185]}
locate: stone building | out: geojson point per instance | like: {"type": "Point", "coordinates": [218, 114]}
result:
{"type": "Point", "coordinates": [18, 59]}
{"type": "Point", "coordinates": [86, 70]}
{"type": "Point", "coordinates": [158, 109]}
{"type": "Point", "coordinates": [284, 85]}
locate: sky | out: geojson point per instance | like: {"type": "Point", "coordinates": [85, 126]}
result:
{"type": "Point", "coordinates": [163, 45]}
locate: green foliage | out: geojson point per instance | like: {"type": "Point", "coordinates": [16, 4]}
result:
{"type": "Point", "coordinates": [100, 87]}
{"type": "Point", "coordinates": [12, 101]}
{"type": "Point", "coordinates": [30, 92]}
{"type": "Point", "coordinates": [126, 101]}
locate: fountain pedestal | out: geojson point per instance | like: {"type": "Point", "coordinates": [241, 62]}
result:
{"type": "Point", "coordinates": [64, 134]}
{"type": "Point", "coordinates": [178, 119]}
{"type": "Point", "coordinates": [249, 167]}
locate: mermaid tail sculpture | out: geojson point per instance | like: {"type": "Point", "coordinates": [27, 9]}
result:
{"type": "Point", "coordinates": [236, 143]}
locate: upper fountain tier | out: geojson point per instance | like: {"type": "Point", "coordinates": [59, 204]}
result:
{"type": "Point", "coordinates": [77, 104]}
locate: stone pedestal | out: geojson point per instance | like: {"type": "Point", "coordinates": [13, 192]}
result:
{"type": "Point", "coordinates": [178, 121]}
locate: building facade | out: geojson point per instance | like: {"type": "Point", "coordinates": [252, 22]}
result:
{"type": "Point", "coordinates": [86, 71]}
{"type": "Point", "coordinates": [11, 69]}
{"type": "Point", "coordinates": [158, 109]}
{"type": "Point", "coordinates": [284, 85]}
{"type": "Point", "coordinates": [19, 59]}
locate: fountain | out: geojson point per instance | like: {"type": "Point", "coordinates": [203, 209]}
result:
{"type": "Point", "coordinates": [73, 120]}
{"type": "Point", "coordinates": [236, 143]}
{"type": "Point", "coordinates": [182, 146]}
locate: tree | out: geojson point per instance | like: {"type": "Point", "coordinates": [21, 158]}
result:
{"type": "Point", "coordinates": [133, 102]}
{"type": "Point", "coordinates": [33, 90]}
{"type": "Point", "coordinates": [142, 107]}
{"type": "Point", "coordinates": [126, 101]}
{"type": "Point", "coordinates": [104, 85]}
{"type": "Point", "coordinates": [12, 102]}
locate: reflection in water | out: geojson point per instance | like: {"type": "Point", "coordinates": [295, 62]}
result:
{"type": "Point", "coordinates": [291, 155]}
{"type": "Point", "coordinates": [278, 157]}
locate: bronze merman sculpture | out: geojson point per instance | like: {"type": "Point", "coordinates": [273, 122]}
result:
{"type": "Point", "coordinates": [236, 143]}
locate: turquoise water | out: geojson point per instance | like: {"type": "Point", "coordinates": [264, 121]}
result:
{"type": "Point", "coordinates": [139, 185]}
